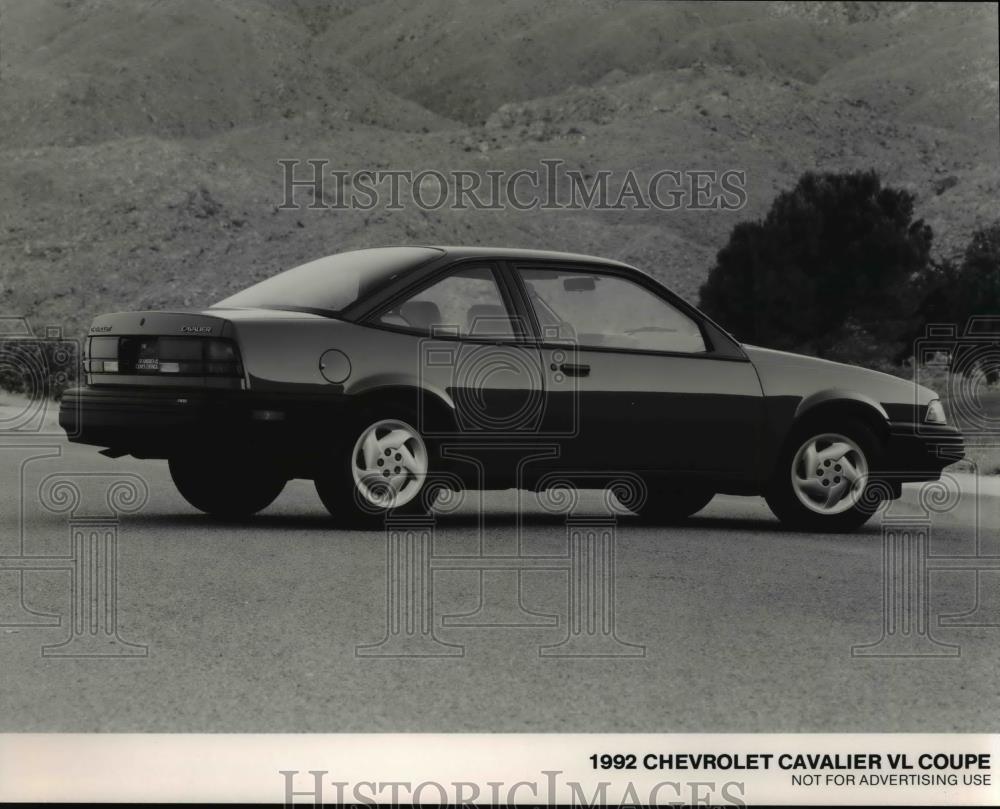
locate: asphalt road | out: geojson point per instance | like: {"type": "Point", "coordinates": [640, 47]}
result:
{"type": "Point", "coordinates": [253, 626]}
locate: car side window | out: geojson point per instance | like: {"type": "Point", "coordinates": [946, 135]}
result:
{"type": "Point", "coordinates": [606, 311]}
{"type": "Point", "coordinates": [466, 303]}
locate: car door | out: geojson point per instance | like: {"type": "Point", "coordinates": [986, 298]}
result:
{"type": "Point", "coordinates": [474, 349]}
{"type": "Point", "coordinates": [653, 387]}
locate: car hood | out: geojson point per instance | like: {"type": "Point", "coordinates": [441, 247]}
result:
{"type": "Point", "coordinates": [782, 372]}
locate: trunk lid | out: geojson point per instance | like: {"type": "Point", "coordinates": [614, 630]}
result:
{"type": "Point", "coordinates": [191, 349]}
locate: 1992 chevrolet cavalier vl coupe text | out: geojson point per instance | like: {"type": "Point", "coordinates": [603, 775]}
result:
{"type": "Point", "coordinates": [387, 374]}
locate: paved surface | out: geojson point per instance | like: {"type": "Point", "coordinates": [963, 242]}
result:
{"type": "Point", "coordinates": [253, 626]}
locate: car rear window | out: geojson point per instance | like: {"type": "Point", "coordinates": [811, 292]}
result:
{"type": "Point", "coordinates": [333, 283]}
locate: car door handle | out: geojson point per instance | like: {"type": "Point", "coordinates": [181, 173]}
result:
{"type": "Point", "coordinates": [571, 369]}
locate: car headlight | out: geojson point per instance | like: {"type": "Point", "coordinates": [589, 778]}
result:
{"type": "Point", "coordinates": [935, 413]}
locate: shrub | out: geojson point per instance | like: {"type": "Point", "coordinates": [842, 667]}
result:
{"type": "Point", "coordinates": [834, 264]}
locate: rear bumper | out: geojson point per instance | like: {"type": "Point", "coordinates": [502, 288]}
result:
{"type": "Point", "coordinates": [920, 451]}
{"type": "Point", "coordinates": [159, 422]}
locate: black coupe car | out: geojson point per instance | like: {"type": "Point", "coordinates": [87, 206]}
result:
{"type": "Point", "coordinates": [387, 374]}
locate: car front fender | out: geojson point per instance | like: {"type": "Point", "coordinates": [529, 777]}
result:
{"type": "Point", "coordinates": [837, 395]}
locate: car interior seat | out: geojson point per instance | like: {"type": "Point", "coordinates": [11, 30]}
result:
{"type": "Point", "coordinates": [423, 315]}
{"type": "Point", "coordinates": [488, 319]}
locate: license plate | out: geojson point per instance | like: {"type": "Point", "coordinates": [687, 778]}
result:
{"type": "Point", "coordinates": [147, 364]}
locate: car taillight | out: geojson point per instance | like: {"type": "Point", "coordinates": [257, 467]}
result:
{"type": "Point", "coordinates": [224, 350]}
{"type": "Point", "coordinates": [180, 356]}
{"type": "Point", "coordinates": [221, 357]}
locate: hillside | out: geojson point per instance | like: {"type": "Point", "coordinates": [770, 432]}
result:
{"type": "Point", "coordinates": [140, 140]}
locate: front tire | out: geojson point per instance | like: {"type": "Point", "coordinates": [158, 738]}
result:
{"type": "Point", "coordinates": [233, 487]}
{"type": "Point", "coordinates": [383, 468]}
{"type": "Point", "coordinates": [669, 504]}
{"type": "Point", "coordinates": [823, 477]}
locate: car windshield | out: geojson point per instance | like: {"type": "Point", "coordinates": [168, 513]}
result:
{"type": "Point", "coordinates": [333, 283]}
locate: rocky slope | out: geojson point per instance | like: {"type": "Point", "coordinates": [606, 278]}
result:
{"type": "Point", "coordinates": [140, 140]}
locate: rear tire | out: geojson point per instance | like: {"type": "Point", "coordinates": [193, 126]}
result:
{"type": "Point", "coordinates": [382, 468]}
{"type": "Point", "coordinates": [231, 488]}
{"type": "Point", "coordinates": [824, 457]}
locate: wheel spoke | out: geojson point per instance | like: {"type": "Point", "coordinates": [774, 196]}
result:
{"type": "Point", "coordinates": [408, 461]}
{"type": "Point", "coordinates": [374, 483]}
{"type": "Point", "coordinates": [835, 493]}
{"type": "Point", "coordinates": [394, 439]}
{"type": "Point", "coordinates": [834, 452]}
{"type": "Point", "coordinates": [370, 450]}
{"type": "Point", "coordinates": [809, 459]}
{"type": "Point", "coordinates": [397, 482]}
{"type": "Point", "coordinates": [849, 470]}
{"type": "Point", "coordinates": [815, 488]}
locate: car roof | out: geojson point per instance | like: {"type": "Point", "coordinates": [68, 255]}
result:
{"type": "Point", "coordinates": [515, 253]}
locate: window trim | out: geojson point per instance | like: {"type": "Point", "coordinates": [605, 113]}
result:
{"type": "Point", "coordinates": [716, 341]}
{"type": "Point", "coordinates": [520, 331]}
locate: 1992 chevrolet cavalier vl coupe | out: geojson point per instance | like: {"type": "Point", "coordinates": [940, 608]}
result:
{"type": "Point", "coordinates": [387, 374]}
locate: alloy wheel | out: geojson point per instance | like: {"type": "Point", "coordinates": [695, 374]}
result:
{"type": "Point", "coordinates": [829, 473]}
{"type": "Point", "coordinates": [389, 463]}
